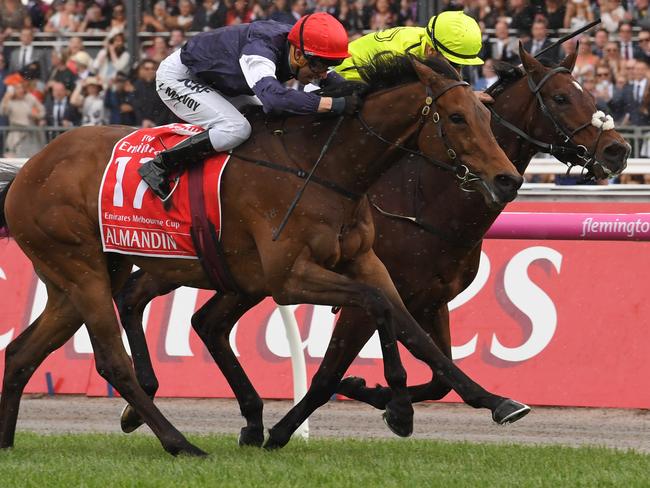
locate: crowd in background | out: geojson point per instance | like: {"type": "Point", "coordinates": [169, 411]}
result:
{"type": "Point", "coordinates": [70, 84]}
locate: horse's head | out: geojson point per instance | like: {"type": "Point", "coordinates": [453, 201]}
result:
{"type": "Point", "coordinates": [581, 133]}
{"type": "Point", "coordinates": [456, 125]}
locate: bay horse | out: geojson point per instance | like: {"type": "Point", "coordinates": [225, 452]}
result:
{"type": "Point", "coordinates": [324, 256]}
{"type": "Point", "coordinates": [429, 235]}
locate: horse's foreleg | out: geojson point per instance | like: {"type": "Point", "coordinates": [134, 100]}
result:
{"type": "Point", "coordinates": [58, 322]}
{"type": "Point", "coordinates": [311, 283]}
{"type": "Point", "coordinates": [131, 300]}
{"type": "Point", "coordinates": [213, 323]}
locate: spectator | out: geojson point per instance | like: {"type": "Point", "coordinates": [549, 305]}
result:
{"type": "Point", "coordinates": [540, 41]}
{"type": "Point", "coordinates": [87, 97]}
{"type": "Point", "coordinates": [298, 9]}
{"type": "Point", "coordinates": [3, 88]}
{"type": "Point", "coordinates": [184, 19]}
{"type": "Point", "coordinates": [38, 13]}
{"type": "Point", "coordinates": [94, 21]}
{"type": "Point", "coordinates": [504, 47]}
{"type": "Point", "coordinates": [408, 12]}
{"type": "Point", "coordinates": [158, 51]}
{"type": "Point", "coordinates": [59, 112]}
{"type": "Point", "coordinates": [498, 12]}
{"type": "Point", "coordinates": [280, 12]}
{"type": "Point", "coordinates": [176, 39]}
{"type": "Point", "coordinates": [613, 57]}
{"type": "Point", "coordinates": [118, 101]}
{"type": "Point", "coordinates": [210, 14]}
{"type": "Point", "coordinates": [112, 58]}
{"type": "Point", "coordinates": [22, 110]}
{"type": "Point", "coordinates": [644, 46]}
{"type": "Point", "coordinates": [118, 20]}
{"type": "Point", "coordinates": [638, 110]}
{"type": "Point", "coordinates": [239, 13]}
{"type": "Point", "coordinates": [601, 38]}
{"type": "Point", "coordinates": [13, 16]}
{"type": "Point", "coordinates": [604, 89]}
{"type": "Point", "coordinates": [75, 45]}
{"type": "Point", "coordinates": [64, 20]}
{"type": "Point", "coordinates": [27, 53]}
{"type": "Point", "coordinates": [611, 14]}
{"type": "Point", "coordinates": [578, 14]}
{"type": "Point", "coordinates": [150, 111]}
{"type": "Point", "coordinates": [640, 13]}
{"type": "Point", "coordinates": [618, 103]}
{"type": "Point", "coordinates": [522, 16]}
{"type": "Point", "coordinates": [81, 63]}
{"type": "Point", "coordinates": [158, 21]}
{"type": "Point", "coordinates": [628, 49]}
{"type": "Point", "coordinates": [586, 61]}
{"type": "Point", "coordinates": [488, 77]}
{"type": "Point", "coordinates": [382, 17]}
{"type": "Point", "coordinates": [59, 72]}
{"type": "Point", "coordinates": [349, 15]}
{"type": "Point", "coordinates": [555, 13]}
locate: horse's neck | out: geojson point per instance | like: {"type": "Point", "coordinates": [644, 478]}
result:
{"type": "Point", "coordinates": [358, 158]}
{"type": "Point", "coordinates": [522, 114]}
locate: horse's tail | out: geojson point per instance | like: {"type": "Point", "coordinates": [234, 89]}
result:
{"type": "Point", "coordinates": [8, 172]}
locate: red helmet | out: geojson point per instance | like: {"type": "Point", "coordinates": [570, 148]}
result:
{"type": "Point", "coordinates": [320, 35]}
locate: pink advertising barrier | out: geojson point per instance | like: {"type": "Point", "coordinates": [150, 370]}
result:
{"type": "Point", "coordinates": [547, 322]}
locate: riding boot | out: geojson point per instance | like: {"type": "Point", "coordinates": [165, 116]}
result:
{"type": "Point", "coordinates": [156, 172]}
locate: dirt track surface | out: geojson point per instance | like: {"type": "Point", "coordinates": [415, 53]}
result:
{"type": "Point", "coordinates": [623, 429]}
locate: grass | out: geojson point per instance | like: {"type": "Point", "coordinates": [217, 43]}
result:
{"type": "Point", "coordinates": [106, 461]}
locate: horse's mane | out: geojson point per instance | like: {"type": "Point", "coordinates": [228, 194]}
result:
{"type": "Point", "coordinates": [508, 74]}
{"type": "Point", "coordinates": [387, 70]}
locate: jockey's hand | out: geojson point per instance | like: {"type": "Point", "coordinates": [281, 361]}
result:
{"type": "Point", "coordinates": [346, 105]}
{"type": "Point", "coordinates": [484, 97]}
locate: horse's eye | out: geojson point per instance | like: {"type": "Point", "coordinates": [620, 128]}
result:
{"type": "Point", "coordinates": [560, 99]}
{"type": "Point", "coordinates": [457, 118]}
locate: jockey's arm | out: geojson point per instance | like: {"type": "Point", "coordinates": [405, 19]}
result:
{"type": "Point", "coordinates": [259, 72]}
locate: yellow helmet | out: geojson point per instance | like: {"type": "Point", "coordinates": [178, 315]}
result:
{"type": "Point", "coordinates": [456, 36]}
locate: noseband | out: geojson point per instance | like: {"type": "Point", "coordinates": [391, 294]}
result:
{"type": "Point", "coordinates": [569, 148]}
{"type": "Point", "coordinates": [457, 167]}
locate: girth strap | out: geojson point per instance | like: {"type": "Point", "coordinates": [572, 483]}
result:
{"type": "Point", "coordinates": [207, 245]}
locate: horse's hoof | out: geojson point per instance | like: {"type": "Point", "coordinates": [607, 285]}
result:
{"type": "Point", "coordinates": [251, 436]}
{"type": "Point", "coordinates": [273, 442]}
{"type": "Point", "coordinates": [509, 411]}
{"type": "Point", "coordinates": [129, 420]}
{"type": "Point", "coordinates": [399, 418]}
{"type": "Point", "coordinates": [351, 384]}
{"type": "Point", "coordinates": [186, 449]}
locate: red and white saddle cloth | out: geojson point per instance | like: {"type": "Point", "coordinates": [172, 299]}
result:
{"type": "Point", "coordinates": [132, 219]}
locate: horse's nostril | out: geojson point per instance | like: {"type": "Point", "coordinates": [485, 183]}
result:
{"type": "Point", "coordinates": [617, 151]}
{"type": "Point", "coordinates": [508, 183]}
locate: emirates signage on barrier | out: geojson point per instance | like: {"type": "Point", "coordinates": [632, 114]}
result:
{"type": "Point", "coordinates": [545, 322]}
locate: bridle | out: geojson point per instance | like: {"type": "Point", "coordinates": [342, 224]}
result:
{"type": "Point", "coordinates": [569, 148]}
{"type": "Point", "coordinates": [457, 167]}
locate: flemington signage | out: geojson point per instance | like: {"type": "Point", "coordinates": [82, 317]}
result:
{"type": "Point", "coordinates": [547, 322]}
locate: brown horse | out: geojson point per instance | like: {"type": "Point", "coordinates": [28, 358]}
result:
{"type": "Point", "coordinates": [324, 256]}
{"type": "Point", "coordinates": [448, 248]}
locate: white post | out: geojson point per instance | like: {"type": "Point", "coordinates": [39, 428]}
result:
{"type": "Point", "coordinates": [297, 362]}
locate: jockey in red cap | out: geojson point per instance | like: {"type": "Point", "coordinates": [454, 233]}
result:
{"type": "Point", "coordinates": [250, 61]}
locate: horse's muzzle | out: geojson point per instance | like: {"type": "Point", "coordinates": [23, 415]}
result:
{"type": "Point", "coordinates": [506, 186]}
{"type": "Point", "coordinates": [614, 157]}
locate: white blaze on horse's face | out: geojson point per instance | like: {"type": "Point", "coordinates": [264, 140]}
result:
{"type": "Point", "coordinates": [577, 85]}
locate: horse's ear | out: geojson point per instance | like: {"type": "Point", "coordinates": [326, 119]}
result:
{"type": "Point", "coordinates": [531, 65]}
{"type": "Point", "coordinates": [570, 60]}
{"type": "Point", "coordinates": [426, 74]}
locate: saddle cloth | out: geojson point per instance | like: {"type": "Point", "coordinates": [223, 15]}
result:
{"type": "Point", "coordinates": [132, 219]}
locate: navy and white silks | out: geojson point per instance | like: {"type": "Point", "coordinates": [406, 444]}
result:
{"type": "Point", "coordinates": [232, 66]}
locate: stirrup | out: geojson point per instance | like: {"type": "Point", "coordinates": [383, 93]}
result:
{"type": "Point", "coordinates": [171, 192]}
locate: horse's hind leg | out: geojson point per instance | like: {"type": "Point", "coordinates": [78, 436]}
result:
{"type": "Point", "coordinates": [213, 323]}
{"type": "Point", "coordinates": [139, 289]}
{"type": "Point", "coordinates": [58, 322]}
{"type": "Point", "coordinates": [436, 324]}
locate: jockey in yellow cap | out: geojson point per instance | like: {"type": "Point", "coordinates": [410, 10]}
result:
{"type": "Point", "coordinates": [452, 34]}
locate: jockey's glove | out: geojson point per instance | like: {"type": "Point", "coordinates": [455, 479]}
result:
{"type": "Point", "coordinates": [346, 105]}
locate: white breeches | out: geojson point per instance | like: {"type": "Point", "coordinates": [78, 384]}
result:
{"type": "Point", "coordinates": [196, 103]}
